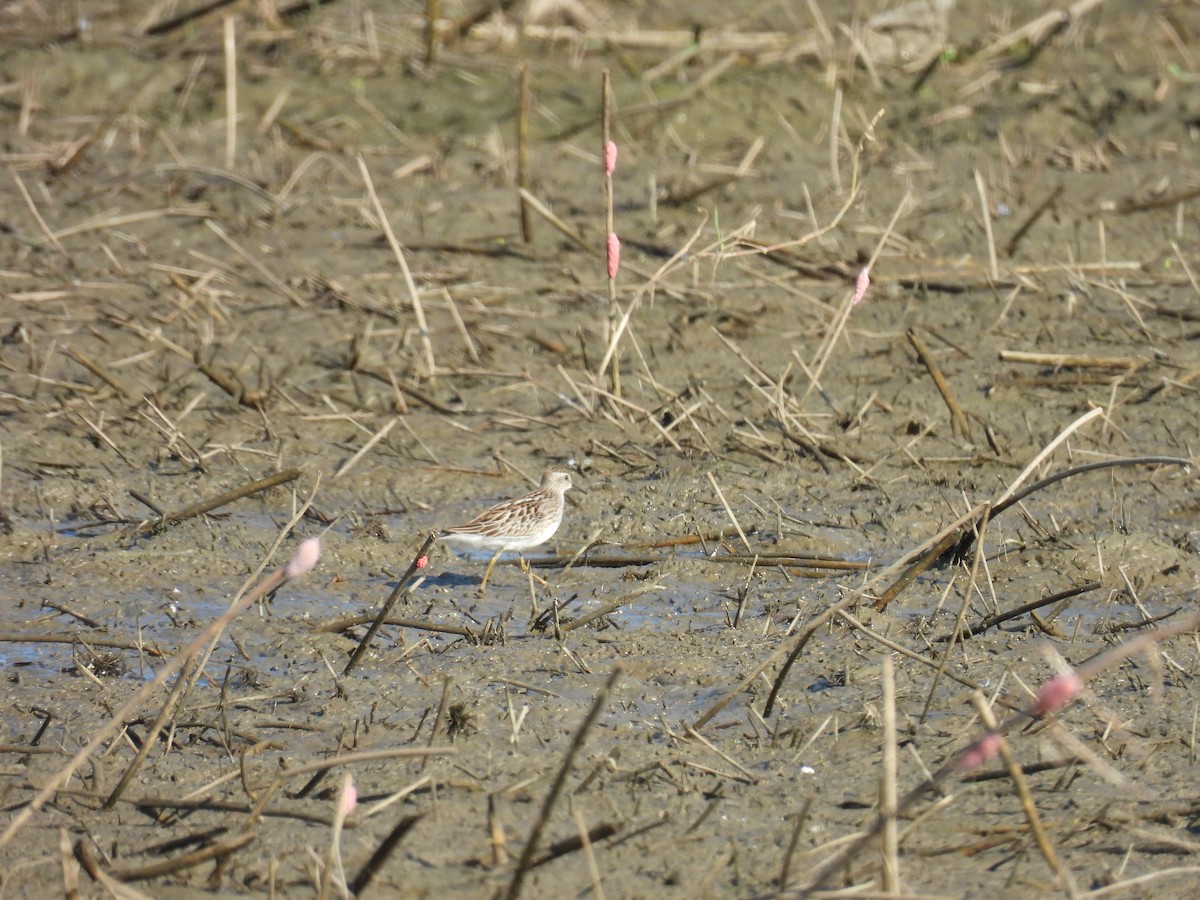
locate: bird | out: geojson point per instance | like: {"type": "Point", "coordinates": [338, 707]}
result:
{"type": "Point", "coordinates": [518, 524]}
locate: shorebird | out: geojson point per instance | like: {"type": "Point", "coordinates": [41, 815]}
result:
{"type": "Point", "coordinates": [518, 524]}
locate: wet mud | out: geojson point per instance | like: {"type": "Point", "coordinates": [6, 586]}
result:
{"type": "Point", "coordinates": [192, 303]}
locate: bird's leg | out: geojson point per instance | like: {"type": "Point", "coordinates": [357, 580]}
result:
{"type": "Point", "coordinates": [521, 561]}
{"type": "Point", "coordinates": [487, 572]}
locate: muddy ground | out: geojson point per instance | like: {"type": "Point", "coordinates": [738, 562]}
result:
{"type": "Point", "coordinates": [188, 307]}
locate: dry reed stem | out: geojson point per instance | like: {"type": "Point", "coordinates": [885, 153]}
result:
{"type": "Point", "coordinates": [365, 448]}
{"type": "Point", "coordinates": [1071, 360]}
{"type": "Point", "coordinates": [271, 278]}
{"type": "Point", "coordinates": [612, 243]}
{"type": "Point", "coordinates": [99, 223]}
{"type": "Point", "coordinates": [433, 10]}
{"type": "Point", "coordinates": [1030, 220]}
{"type": "Point", "coordinates": [925, 556]}
{"type": "Point", "coordinates": [216, 850]}
{"type": "Point", "coordinates": [546, 213]}
{"type": "Point", "coordinates": [607, 609]}
{"type": "Point", "coordinates": [1038, 29]}
{"type": "Point", "coordinates": [348, 622]}
{"type": "Point", "coordinates": [333, 872]}
{"type": "Point", "coordinates": [413, 294]}
{"type": "Point", "coordinates": [1045, 453]}
{"type": "Point", "coordinates": [793, 653]}
{"type": "Point", "coordinates": [149, 739]}
{"type": "Point", "coordinates": [986, 211]}
{"type": "Point", "coordinates": [889, 850]}
{"type": "Point", "coordinates": [36, 638]}
{"type": "Point", "coordinates": [70, 867]}
{"type": "Point", "coordinates": [834, 333]}
{"type": "Point", "coordinates": [37, 216]}
{"type": "Point", "coordinates": [1021, 785]}
{"type": "Point", "coordinates": [439, 720]}
{"type": "Point", "coordinates": [589, 854]}
{"type": "Point", "coordinates": [229, 43]}
{"type": "Point", "coordinates": [114, 887]}
{"type": "Point", "coordinates": [757, 559]}
{"type": "Point", "coordinates": [915, 657]}
{"type": "Point", "coordinates": [729, 511]}
{"type": "Point", "coordinates": [1015, 498]}
{"type": "Point", "coordinates": [97, 370]}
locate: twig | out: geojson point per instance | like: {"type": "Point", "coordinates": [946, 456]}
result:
{"type": "Point", "coordinates": [97, 370]}
{"type": "Point", "coordinates": [1015, 498]}
{"type": "Point", "coordinates": [957, 419]}
{"type": "Point", "coordinates": [17, 637]}
{"type": "Point", "coordinates": [1011, 247]}
{"type": "Point", "coordinates": [179, 863]}
{"type": "Point", "coordinates": [992, 621]}
{"type": "Point", "coordinates": [373, 865]}
{"type": "Point", "coordinates": [929, 553]}
{"type": "Point", "coordinates": [419, 560]}
{"type": "Point", "coordinates": [531, 843]}
{"type": "Point", "coordinates": [203, 506]}
{"type": "Point", "coordinates": [344, 624]}
{"type": "Point", "coordinates": [522, 151]}
{"type": "Point", "coordinates": [1037, 30]}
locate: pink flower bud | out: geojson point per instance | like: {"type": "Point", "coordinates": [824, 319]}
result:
{"type": "Point", "coordinates": [349, 799]}
{"type": "Point", "coordinates": [979, 752]}
{"type": "Point", "coordinates": [861, 283]}
{"type": "Point", "coordinates": [614, 255]}
{"type": "Point", "coordinates": [1056, 693]}
{"type": "Point", "coordinates": [422, 561]}
{"type": "Point", "coordinates": [303, 559]}
{"type": "Point", "coordinates": [610, 157]}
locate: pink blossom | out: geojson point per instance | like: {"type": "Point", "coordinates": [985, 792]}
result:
{"type": "Point", "coordinates": [610, 157]}
{"type": "Point", "coordinates": [1056, 693]}
{"type": "Point", "coordinates": [861, 283]}
{"type": "Point", "coordinates": [349, 799]}
{"type": "Point", "coordinates": [979, 752]}
{"type": "Point", "coordinates": [614, 255]}
{"type": "Point", "coordinates": [303, 559]}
